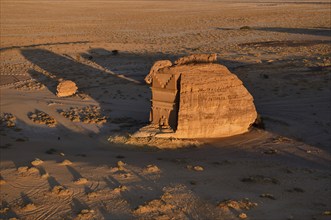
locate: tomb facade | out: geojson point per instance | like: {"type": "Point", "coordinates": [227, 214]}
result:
{"type": "Point", "coordinates": [197, 98]}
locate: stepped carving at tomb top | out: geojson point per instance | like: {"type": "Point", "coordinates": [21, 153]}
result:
{"type": "Point", "coordinates": [196, 98]}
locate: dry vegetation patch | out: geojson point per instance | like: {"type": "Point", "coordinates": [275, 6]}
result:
{"type": "Point", "coordinates": [30, 85]}
{"type": "Point", "coordinates": [170, 143]}
{"type": "Point", "coordinates": [7, 119]}
{"type": "Point", "coordinates": [89, 115]}
{"type": "Point", "coordinates": [40, 117]}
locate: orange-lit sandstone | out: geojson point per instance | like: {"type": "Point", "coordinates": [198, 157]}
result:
{"type": "Point", "coordinates": [197, 98]}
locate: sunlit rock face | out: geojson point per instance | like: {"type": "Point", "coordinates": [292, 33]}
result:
{"type": "Point", "coordinates": [66, 88]}
{"type": "Point", "coordinates": [199, 99]}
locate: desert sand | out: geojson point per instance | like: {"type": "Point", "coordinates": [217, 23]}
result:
{"type": "Point", "coordinates": [74, 157]}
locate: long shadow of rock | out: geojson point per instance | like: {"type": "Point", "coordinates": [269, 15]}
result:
{"type": "Point", "coordinates": [139, 192]}
{"type": "Point", "coordinates": [47, 81]}
{"type": "Point", "coordinates": [113, 93]}
{"type": "Point", "coordinates": [26, 199]}
{"type": "Point", "coordinates": [10, 214]}
{"type": "Point", "coordinates": [46, 44]}
{"type": "Point", "coordinates": [285, 95]}
{"type": "Point", "coordinates": [62, 67]}
{"type": "Point", "coordinates": [75, 174]}
{"type": "Point", "coordinates": [173, 172]}
{"type": "Point", "coordinates": [133, 65]}
{"type": "Point", "coordinates": [52, 182]}
{"type": "Point", "coordinates": [125, 98]}
{"type": "Point", "coordinates": [286, 43]}
{"type": "Point", "coordinates": [309, 31]}
{"type": "Point", "coordinates": [77, 206]}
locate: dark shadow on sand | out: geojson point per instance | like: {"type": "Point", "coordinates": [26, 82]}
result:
{"type": "Point", "coordinates": [52, 182]}
{"type": "Point", "coordinates": [94, 82]}
{"type": "Point", "coordinates": [46, 44]}
{"type": "Point", "coordinates": [68, 69]}
{"type": "Point", "coordinates": [75, 174]}
{"type": "Point", "coordinates": [10, 214]}
{"type": "Point", "coordinates": [137, 65]}
{"type": "Point", "coordinates": [26, 199]}
{"type": "Point", "coordinates": [319, 31]}
{"type": "Point", "coordinates": [132, 65]}
{"type": "Point", "coordinates": [308, 31]}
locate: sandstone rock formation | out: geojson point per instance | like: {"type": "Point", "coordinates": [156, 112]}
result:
{"type": "Point", "coordinates": [199, 100]}
{"type": "Point", "coordinates": [66, 88]}
{"type": "Point", "coordinates": [197, 58]}
{"type": "Point", "coordinates": [157, 65]}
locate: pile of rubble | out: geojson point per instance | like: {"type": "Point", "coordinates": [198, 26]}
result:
{"type": "Point", "coordinates": [31, 85]}
{"type": "Point", "coordinates": [40, 117]}
{"type": "Point", "coordinates": [7, 119]}
{"type": "Point", "coordinates": [88, 115]}
{"type": "Point", "coordinates": [243, 204]}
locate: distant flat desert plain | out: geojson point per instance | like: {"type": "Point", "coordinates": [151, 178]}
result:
{"type": "Point", "coordinates": [75, 157]}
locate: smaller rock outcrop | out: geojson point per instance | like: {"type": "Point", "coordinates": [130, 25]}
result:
{"type": "Point", "coordinates": [66, 88]}
{"type": "Point", "coordinates": [196, 58]}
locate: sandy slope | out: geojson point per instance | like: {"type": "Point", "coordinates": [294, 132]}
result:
{"type": "Point", "coordinates": [282, 172]}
